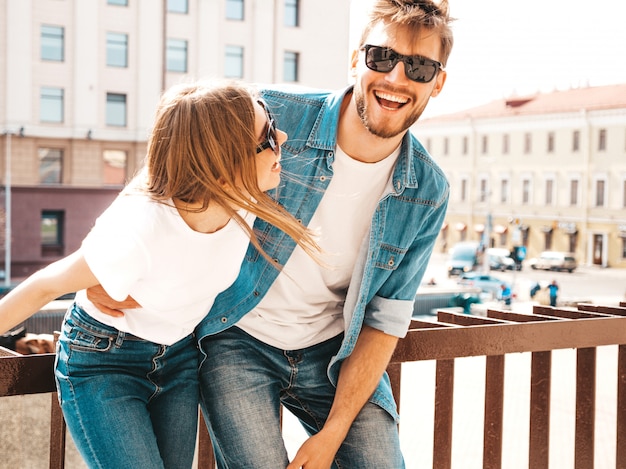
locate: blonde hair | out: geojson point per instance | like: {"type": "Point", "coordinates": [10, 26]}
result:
{"type": "Point", "coordinates": [415, 14]}
{"type": "Point", "coordinates": [202, 149]}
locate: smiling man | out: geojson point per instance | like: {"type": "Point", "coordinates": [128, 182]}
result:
{"type": "Point", "coordinates": [317, 337]}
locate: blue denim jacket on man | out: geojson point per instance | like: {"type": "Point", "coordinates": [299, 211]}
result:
{"type": "Point", "coordinates": [391, 261]}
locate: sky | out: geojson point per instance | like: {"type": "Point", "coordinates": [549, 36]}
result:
{"type": "Point", "coordinates": [505, 48]}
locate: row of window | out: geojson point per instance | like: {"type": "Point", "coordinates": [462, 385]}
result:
{"type": "Point", "coordinates": [234, 9]}
{"type": "Point", "coordinates": [52, 106]}
{"type": "Point", "coordinates": [53, 49]}
{"type": "Point", "coordinates": [505, 147]}
{"type": "Point", "coordinates": [51, 166]}
{"type": "Point", "coordinates": [600, 195]}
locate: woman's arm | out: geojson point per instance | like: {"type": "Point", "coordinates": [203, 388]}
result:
{"type": "Point", "coordinates": [67, 275]}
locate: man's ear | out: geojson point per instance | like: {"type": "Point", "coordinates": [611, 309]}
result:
{"type": "Point", "coordinates": [354, 60]}
{"type": "Point", "coordinates": [440, 80]}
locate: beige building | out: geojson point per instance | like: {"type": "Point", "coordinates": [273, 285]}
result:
{"type": "Point", "coordinates": [80, 79]}
{"type": "Point", "coordinates": [548, 170]}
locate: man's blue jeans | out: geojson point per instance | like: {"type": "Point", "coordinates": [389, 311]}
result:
{"type": "Point", "coordinates": [242, 384]}
{"type": "Point", "coordinates": [128, 403]}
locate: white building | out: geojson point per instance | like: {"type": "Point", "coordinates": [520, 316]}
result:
{"type": "Point", "coordinates": [80, 79]}
{"type": "Point", "coordinates": [550, 169]}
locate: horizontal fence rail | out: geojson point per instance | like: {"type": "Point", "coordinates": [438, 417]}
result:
{"type": "Point", "coordinates": [443, 340]}
{"type": "Point", "coordinates": [454, 335]}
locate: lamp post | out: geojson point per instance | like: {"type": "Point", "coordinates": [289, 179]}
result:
{"type": "Point", "coordinates": [7, 210]}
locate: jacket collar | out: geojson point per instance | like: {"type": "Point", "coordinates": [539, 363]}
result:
{"type": "Point", "coordinates": [324, 137]}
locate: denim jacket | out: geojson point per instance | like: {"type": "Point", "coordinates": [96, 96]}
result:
{"type": "Point", "coordinates": [392, 259]}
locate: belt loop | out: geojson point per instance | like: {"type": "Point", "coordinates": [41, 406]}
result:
{"type": "Point", "coordinates": [120, 338]}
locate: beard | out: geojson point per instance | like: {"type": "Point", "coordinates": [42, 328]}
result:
{"type": "Point", "coordinates": [382, 129]}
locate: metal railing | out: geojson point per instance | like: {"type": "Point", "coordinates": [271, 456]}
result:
{"type": "Point", "coordinates": [450, 337]}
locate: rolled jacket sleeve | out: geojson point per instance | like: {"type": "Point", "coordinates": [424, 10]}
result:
{"type": "Point", "coordinates": [392, 317]}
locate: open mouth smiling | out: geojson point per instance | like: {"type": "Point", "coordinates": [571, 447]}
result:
{"type": "Point", "coordinates": [390, 101]}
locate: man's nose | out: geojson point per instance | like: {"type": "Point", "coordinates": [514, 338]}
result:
{"type": "Point", "coordinates": [397, 74]}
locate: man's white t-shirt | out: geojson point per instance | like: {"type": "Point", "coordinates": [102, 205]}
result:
{"type": "Point", "coordinates": [304, 305]}
{"type": "Point", "coordinates": [144, 249]}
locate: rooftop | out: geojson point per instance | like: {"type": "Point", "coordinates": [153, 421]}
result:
{"type": "Point", "coordinates": [573, 100]}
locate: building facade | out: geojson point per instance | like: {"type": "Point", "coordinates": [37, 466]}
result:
{"type": "Point", "coordinates": [547, 172]}
{"type": "Point", "coordinates": [80, 80]}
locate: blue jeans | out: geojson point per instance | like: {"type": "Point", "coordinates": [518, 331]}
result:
{"type": "Point", "coordinates": [128, 403]}
{"type": "Point", "coordinates": [242, 384]}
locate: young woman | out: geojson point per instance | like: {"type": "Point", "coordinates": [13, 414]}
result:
{"type": "Point", "coordinates": [173, 240]}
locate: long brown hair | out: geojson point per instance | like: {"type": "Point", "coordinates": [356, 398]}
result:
{"type": "Point", "coordinates": [202, 149]}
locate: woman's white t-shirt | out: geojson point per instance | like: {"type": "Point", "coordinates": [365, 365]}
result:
{"type": "Point", "coordinates": [144, 249]}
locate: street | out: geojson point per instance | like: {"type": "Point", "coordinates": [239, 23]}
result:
{"type": "Point", "coordinates": [586, 284]}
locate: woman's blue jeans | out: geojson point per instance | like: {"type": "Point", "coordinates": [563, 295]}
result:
{"type": "Point", "coordinates": [243, 382]}
{"type": "Point", "coordinates": [128, 403]}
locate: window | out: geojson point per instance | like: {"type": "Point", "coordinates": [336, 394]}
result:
{"type": "Point", "coordinates": [573, 192]}
{"type": "Point", "coordinates": [527, 143]}
{"type": "Point", "coordinates": [600, 192]}
{"type": "Point", "coordinates": [463, 190]}
{"type": "Point", "coordinates": [177, 6]}
{"type": "Point", "coordinates": [50, 165]}
{"type": "Point", "coordinates": [52, 232]}
{"type": "Point", "coordinates": [117, 50]}
{"type": "Point", "coordinates": [233, 62]}
{"type": "Point", "coordinates": [118, 2]}
{"type": "Point", "coordinates": [602, 140]}
{"type": "Point", "coordinates": [576, 140]}
{"type": "Point", "coordinates": [485, 144]}
{"type": "Point", "coordinates": [114, 166]}
{"type": "Point", "coordinates": [446, 145]}
{"type": "Point", "coordinates": [526, 191]}
{"type": "Point", "coordinates": [549, 191]}
{"type": "Point", "coordinates": [504, 191]}
{"type": "Point", "coordinates": [51, 104]}
{"type": "Point", "coordinates": [290, 72]}
{"type": "Point", "coordinates": [292, 13]}
{"type": "Point", "coordinates": [550, 142]}
{"type": "Point", "coordinates": [52, 43]}
{"type": "Point", "coordinates": [116, 109]}
{"type": "Point", "coordinates": [505, 144]}
{"type": "Point", "coordinates": [484, 190]}
{"type": "Point", "coordinates": [176, 55]}
{"type": "Point", "coordinates": [465, 145]}
{"type": "Point", "coordinates": [234, 10]}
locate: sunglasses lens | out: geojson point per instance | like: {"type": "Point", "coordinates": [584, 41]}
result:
{"type": "Point", "coordinates": [421, 71]}
{"type": "Point", "coordinates": [271, 135]}
{"type": "Point", "coordinates": [380, 59]}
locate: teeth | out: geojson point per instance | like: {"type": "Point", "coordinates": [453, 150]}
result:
{"type": "Point", "coordinates": [391, 97]}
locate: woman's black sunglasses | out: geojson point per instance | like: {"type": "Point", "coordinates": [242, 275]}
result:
{"type": "Point", "coordinates": [416, 67]}
{"type": "Point", "coordinates": [271, 139]}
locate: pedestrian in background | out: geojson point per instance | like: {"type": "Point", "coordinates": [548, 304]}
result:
{"type": "Point", "coordinates": [553, 289]}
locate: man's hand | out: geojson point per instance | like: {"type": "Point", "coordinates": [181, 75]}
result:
{"type": "Point", "coordinates": [100, 298]}
{"type": "Point", "coordinates": [317, 452]}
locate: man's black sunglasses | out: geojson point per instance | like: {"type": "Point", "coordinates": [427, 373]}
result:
{"type": "Point", "coordinates": [271, 139]}
{"type": "Point", "coordinates": [416, 67]}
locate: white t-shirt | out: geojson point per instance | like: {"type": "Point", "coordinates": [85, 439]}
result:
{"type": "Point", "coordinates": [144, 249]}
{"type": "Point", "coordinates": [304, 305]}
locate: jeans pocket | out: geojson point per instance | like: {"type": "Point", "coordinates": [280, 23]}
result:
{"type": "Point", "coordinates": [80, 335]}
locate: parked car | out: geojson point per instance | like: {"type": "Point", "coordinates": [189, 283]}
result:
{"type": "Point", "coordinates": [500, 259]}
{"type": "Point", "coordinates": [554, 260]}
{"type": "Point", "coordinates": [487, 283]}
{"type": "Point", "coordinates": [464, 257]}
